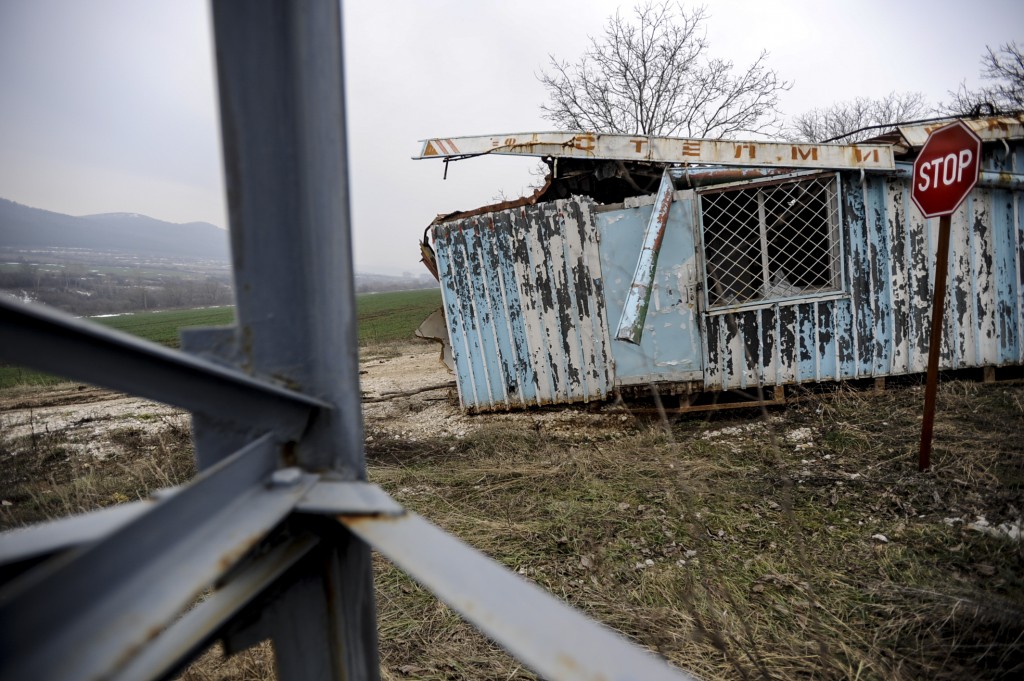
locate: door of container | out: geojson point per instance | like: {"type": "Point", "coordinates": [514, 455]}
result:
{"type": "Point", "coordinates": [670, 349]}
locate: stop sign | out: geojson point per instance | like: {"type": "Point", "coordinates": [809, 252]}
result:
{"type": "Point", "coordinates": [946, 169]}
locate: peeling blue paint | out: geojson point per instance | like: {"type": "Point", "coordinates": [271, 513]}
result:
{"type": "Point", "coordinates": [670, 349]}
{"type": "Point", "coordinates": [520, 288]}
{"type": "Point", "coordinates": [528, 293]}
{"type": "Point", "coordinates": [880, 326]}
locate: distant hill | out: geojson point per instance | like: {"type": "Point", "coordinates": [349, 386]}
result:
{"type": "Point", "coordinates": [26, 227]}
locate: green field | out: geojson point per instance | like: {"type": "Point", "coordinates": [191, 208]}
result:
{"type": "Point", "coordinates": [383, 318]}
{"type": "Point", "coordinates": [393, 316]}
{"type": "Point", "coordinates": [163, 327]}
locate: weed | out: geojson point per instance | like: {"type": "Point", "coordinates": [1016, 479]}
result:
{"type": "Point", "coordinates": [799, 543]}
{"type": "Point", "coordinates": [53, 474]}
{"type": "Point", "coordinates": [804, 544]}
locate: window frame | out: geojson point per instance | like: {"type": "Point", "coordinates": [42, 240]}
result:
{"type": "Point", "coordinates": [839, 287]}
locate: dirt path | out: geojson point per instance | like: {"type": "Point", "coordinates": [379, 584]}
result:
{"type": "Point", "coordinates": [87, 414]}
{"type": "Point", "coordinates": [83, 413]}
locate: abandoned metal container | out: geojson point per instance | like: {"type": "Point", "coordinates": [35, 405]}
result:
{"type": "Point", "coordinates": [773, 264]}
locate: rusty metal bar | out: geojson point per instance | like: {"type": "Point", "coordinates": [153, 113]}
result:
{"type": "Point", "coordinates": [704, 176]}
{"type": "Point", "coordinates": [990, 179]}
{"type": "Point", "coordinates": [934, 344]}
{"type": "Point", "coordinates": [196, 628]}
{"type": "Point", "coordinates": [634, 312]}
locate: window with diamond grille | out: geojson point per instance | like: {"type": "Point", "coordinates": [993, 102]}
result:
{"type": "Point", "coordinates": [771, 241]}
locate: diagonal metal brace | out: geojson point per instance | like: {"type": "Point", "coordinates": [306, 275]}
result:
{"type": "Point", "coordinates": [58, 343]}
{"type": "Point", "coordinates": [325, 497]}
{"type": "Point", "coordinates": [202, 623]}
{"type": "Point", "coordinates": [342, 497]}
{"type": "Point", "coordinates": [122, 591]}
{"type": "Point", "coordinates": [550, 637]}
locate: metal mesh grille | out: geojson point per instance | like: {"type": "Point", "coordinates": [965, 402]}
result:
{"type": "Point", "coordinates": [771, 241]}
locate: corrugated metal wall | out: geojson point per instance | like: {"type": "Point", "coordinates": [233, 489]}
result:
{"type": "Point", "coordinates": [524, 304]}
{"type": "Point", "coordinates": [881, 326]}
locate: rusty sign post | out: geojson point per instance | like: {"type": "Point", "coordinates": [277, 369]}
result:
{"type": "Point", "coordinates": [945, 172]}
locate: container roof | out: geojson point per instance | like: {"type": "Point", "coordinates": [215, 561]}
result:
{"type": "Point", "coordinates": [875, 154]}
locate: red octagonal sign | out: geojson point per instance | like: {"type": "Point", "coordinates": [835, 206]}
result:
{"type": "Point", "coordinates": [946, 169]}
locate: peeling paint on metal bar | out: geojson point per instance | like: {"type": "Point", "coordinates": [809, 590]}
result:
{"type": "Point", "coordinates": [594, 146]}
{"type": "Point", "coordinates": [548, 636]}
{"type": "Point", "coordinates": [634, 312]}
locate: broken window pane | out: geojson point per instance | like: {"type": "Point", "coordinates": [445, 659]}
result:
{"type": "Point", "coordinates": [771, 241]}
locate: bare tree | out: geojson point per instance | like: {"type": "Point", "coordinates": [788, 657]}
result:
{"type": "Point", "coordinates": [857, 119]}
{"type": "Point", "coordinates": [650, 74]}
{"type": "Point", "coordinates": [1003, 68]}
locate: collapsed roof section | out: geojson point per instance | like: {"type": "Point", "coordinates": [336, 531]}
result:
{"type": "Point", "coordinates": [610, 168]}
{"type": "Point", "coordinates": [701, 266]}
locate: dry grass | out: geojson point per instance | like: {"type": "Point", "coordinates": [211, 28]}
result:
{"type": "Point", "coordinates": [50, 474]}
{"type": "Point", "coordinates": [255, 664]}
{"type": "Point", "coordinates": [738, 545]}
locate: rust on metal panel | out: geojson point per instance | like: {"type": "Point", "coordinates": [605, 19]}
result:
{"type": "Point", "coordinates": [496, 207]}
{"type": "Point", "coordinates": [991, 128]}
{"type": "Point", "coordinates": [427, 256]}
{"type": "Point", "coordinates": [878, 324]}
{"type": "Point", "coordinates": [523, 305]}
{"type": "Point", "coordinates": [592, 145]}
{"type": "Point", "coordinates": [634, 313]}
{"type": "Point", "coordinates": [857, 306]}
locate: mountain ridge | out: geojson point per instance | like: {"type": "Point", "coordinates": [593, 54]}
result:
{"type": "Point", "coordinates": [24, 226]}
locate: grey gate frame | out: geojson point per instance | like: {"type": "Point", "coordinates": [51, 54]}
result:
{"type": "Point", "coordinates": [272, 539]}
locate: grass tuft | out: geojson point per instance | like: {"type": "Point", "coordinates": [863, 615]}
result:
{"type": "Point", "coordinates": [796, 543]}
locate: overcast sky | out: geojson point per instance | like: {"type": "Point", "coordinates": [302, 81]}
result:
{"type": "Point", "coordinates": [109, 105]}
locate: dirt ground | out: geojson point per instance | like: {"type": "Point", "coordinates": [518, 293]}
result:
{"type": "Point", "coordinates": [435, 413]}
{"type": "Point", "coordinates": [85, 415]}
{"type": "Point", "coordinates": [86, 412]}
{"type": "Point", "coordinates": [798, 542]}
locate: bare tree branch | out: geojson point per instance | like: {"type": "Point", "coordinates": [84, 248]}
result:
{"type": "Point", "coordinates": [651, 75]}
{"type": "Point", "coordinates": [847, 118]}
{"type": "Point", "coordinates": [1004, 69]}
